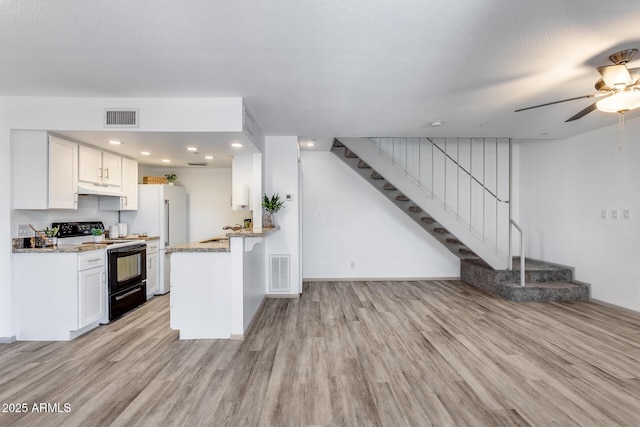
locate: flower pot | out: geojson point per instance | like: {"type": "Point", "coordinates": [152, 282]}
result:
{"type": "Point", "coordinates": [98, 239]}
{"type": "Point", "coordinates": [171, 183]}
{"type": "Point", "coordinates": [268, 220]}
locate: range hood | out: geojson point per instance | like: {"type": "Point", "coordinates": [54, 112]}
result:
{"type": "Point", "coordinates": [98, 190]}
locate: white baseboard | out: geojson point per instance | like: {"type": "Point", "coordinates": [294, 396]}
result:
{"type": "Point", "coordinates": [617, 307]}
{"type": "Point", "coordinates": [7, 340]}
{"type": "Point", "coordinates": [377, 279]}
{"type": "Point", "coordinates": [282, 296]}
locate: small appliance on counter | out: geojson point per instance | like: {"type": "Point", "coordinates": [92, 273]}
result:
{"type": "Point", "coordinates": [122, 229]}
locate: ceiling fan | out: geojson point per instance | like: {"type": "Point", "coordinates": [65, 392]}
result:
{"type": "Point", "coordinates": [619, 88]}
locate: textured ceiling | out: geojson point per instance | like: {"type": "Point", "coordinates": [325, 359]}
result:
{"type": "Point", "coordinates": [330, 68]}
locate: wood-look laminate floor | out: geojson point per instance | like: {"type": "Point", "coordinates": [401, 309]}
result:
{"type": "Point", "coordinates": [347, 353]}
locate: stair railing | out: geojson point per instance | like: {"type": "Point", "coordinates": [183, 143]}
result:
{"type": "Point", "coordinates": [522, 272]}
{"type": "Point", "coordinates": [466, 176]}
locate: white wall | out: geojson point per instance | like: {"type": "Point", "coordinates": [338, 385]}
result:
{"type": "Point", "coordinates": [208, 199]}
{"type": "Point", "coordinates": [564, 185]}
{"type": "Point", "coordinates": [348, 221]}
{"type": "Point", "coordinates": [282, 176]}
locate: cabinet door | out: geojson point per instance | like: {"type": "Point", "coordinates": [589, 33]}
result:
{"type": "Point", "coordinates": [152, 274]}
{"type": "Point", "coordinates": [90, 165]}
{"type": "Point", "coordinates": [129, 184]}
{"type": "Point", "coordinates": [111, 170]}
{"type": "Point", "coordinates": [63, 174]}
{"type": "Point", "coordinates": [92, 294]}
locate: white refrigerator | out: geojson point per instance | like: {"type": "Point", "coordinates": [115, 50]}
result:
{"type": "Point", "coordinates": [162, 211]}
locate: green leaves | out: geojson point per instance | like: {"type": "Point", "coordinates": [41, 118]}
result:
{"type": "Point", "coordinates": [51, 232]}
{"type": "Point", "coordinates": [97, 231]}
{"type": "Point", "coordinates": [273, 204]}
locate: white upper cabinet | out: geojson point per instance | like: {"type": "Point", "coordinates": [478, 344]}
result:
{"type": "Point", "coordinates": [63, 174]}
{"type": "Point", "coordinates": [129, 181]}
{"type": "Point", "coordinates": [99, 168]}
{"type": "Point", "coordinates": [45, 171]}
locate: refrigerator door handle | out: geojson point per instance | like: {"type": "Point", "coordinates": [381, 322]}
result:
{"type": "Point", "coordinates": [166, 223]}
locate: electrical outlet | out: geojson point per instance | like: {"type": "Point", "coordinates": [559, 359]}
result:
{"type": "Point", "coordinates": [353, 264]}
{"type": "Point", "coordinates": [614, 213]}
{"type": "Point", "coordinates": [288, 197]}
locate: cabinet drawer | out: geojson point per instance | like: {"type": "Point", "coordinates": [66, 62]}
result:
{"type": "Point", "coordinates": [153, 246]}
{"type": "Point", "coordinates": [91, 260]}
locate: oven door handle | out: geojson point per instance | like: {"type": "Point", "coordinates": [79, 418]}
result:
{"type": "Point", "coordinates": [119, 297]}
{"type": "Point", "coordinates": [128, 250]}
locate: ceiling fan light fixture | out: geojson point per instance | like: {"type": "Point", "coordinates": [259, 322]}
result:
{"type": "Point", "coordinates": [620, 102]}
{"type": "Point", "coordinates": [615, 75]}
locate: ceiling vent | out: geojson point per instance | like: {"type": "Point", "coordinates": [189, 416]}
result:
{"type": "Point", "coordinates": [198, 164]}
{"type": "Point", "coordinates": [121, 117]}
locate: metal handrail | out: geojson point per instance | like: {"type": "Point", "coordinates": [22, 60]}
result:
{"type": "Point", "coordinates": [460, 167]}
{"type": "Point", "coordinates": [522, 272]}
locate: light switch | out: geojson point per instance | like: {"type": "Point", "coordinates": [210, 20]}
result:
{"type": "Point", "coordinates": [614, 214]}
{"type": "Point", "coordinates": [626, 214]}
{"type": "Point", "coordinates": [603, 214]}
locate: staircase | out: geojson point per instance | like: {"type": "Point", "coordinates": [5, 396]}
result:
{"type": "Point", "coordinates": [432, 226]}
{"type": "Point", "coordinates": [483, 264]}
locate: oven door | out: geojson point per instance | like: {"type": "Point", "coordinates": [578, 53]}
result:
{"type": "Point", "coordinates": [127, 267]}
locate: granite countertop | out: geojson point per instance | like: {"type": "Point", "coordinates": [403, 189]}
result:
{"type": "Point", "coordinates": [250, 233]}
{"type": "Point", "coordinates": [211, 246]}
{"type": "Point", "coordinates": [219, 243]}
{"type": "Point", "coordinates": [81, 247]}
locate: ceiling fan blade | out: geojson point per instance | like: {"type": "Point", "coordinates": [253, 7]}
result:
{"type": "Point", "coordinates": [556, 102]}
{"type": "Point", "coordinates": [589, 109]}
{"type": "Point", "coordinates": [582, 113]}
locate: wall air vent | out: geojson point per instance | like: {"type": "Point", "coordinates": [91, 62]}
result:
{"type": "Point", "coordinates": [121, 117]}
{"type": "Point", "coordinates": [279, 273]}
{"type": "Point", "coordinates": [198, 164]}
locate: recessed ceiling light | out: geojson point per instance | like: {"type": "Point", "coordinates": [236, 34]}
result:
{"type": "Point", "coordinates": [192, 148]}
{"type": "Point", "coordinates": [145, 153]}
{"type": "Point", "coordinates": [435, 124]}
{"type": "Point", "coordinates": [114, 142]}
{"type": "Point", "coordinates": [208, 157]}
{"type": "Point", "coordinates": [236, 144]}
{"type": "Point", "coordinates": [166, 161]}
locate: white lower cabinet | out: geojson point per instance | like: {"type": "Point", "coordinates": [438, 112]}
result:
{"type": "Point", "coordinates": [58, 296]}
{"type": "Point", "coordinates": [91, 296]}
{"type": "Point", "coordinates": [153, 265]}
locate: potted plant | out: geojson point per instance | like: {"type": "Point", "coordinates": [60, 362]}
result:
{"type": "Point", "coordinates": [271, 205]}
{"type": "Point", "coordinates": [52, 234]}
{"type": "Point", "coordinates": [171, 178]}
{"type": "Point", "coordinates": [98, 234]}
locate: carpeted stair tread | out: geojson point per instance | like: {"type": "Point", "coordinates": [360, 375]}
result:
{"type": "Point", "coordinates": [376, 175]}
{"type": "Point", "coordinates": [350, 154]}
{"type": "Point", "coordinates": [466, 252]}
{"type": "Point", "coordinates": [337, 144]}
{"type": "Point", "coordinates": [453, 241]}
{"type": "Point", "coordinates": [544, 281]}
{"type": "Point", "coordinates": [415, 209]}
{"type": "Point", "coordinates": [428, 220]}
{"type": "Point", "coordinates": [402, 198]}
{"type": "Point", "coordinates": [440, 230]}
{"type": "Point", "coordinates": [389, 187]}
{"type": "Point", "coordinates": [363, 165]}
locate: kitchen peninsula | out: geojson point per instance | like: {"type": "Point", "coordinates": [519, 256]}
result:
{"type": "Point", "coordinates": [217, 285]}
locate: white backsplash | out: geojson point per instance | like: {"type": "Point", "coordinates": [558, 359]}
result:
{"type": "Point", "coordinates": [87, 211]}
